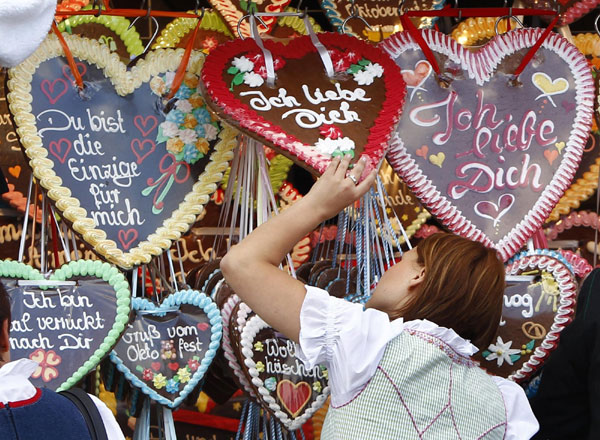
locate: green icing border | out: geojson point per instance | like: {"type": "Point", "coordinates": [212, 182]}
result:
{"type": "Point", "coordinates": [119, 25]}
{"type": "Point", "coordinates": [95, 268]}
{"type": "Point", "coordinates": [172, 34]}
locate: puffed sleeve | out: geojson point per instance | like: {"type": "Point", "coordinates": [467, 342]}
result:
{"type": "Point", "coordinates": [522, 424]}
{"type": "Point", "coordinates": [346, 338]}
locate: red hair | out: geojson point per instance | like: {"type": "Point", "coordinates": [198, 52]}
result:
{"type": "Point", "coordinates": [463, 287]}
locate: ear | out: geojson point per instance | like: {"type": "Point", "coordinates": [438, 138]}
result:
{"type": "Point", "coordinates": [417, 278]}
{"type": "Point", "coordinates": [4, 339]}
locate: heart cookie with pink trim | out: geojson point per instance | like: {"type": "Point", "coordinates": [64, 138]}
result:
{"type": "Point", "coordinates": [279, 379]}
{"type": "Point", "coordinates": [130, 172]}
{"type": "Point", "coordinates": [499, 155]}
{"type": "Point", "coordinates": [308, 116]}
{"type": "Point", "coordinates": [536, 308]}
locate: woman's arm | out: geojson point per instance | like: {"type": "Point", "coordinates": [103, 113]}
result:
{"type": "Point", "coordinates": [251, 268]}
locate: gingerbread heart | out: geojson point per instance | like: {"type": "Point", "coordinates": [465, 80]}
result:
{"type": "Point", "coordinates": [69, 324]}
{"type": "Point", "coordinates": [280, 380]}
{"type": "Point", "coordinates": [166, 349]}
{"type": "Point", "coordinates": [232, 12]}
{"type": "Point", "coordinates": [536, 308]}
{"type": "Point", "coordinates": [571, 10]}
{"type": "Point", "coordinates": [500, 155]}
{"type": "Point", "coordinates": [129, 174]}
{"type": "Point", "coordinates": [306, 116]}
{"type": "Point", "coordinates": [381, 15]}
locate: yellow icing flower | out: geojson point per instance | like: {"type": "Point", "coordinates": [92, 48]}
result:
{"type": "Point", "coordinates": [157, 85]}
{"type": "Point", "coordinates": [190, 122]}
{"type": "Point", "coordinates": [202, 145]}
{"type": "Point", "coordinates": [325, 373]}
{"type": "Point", "coordinates": [258, 346]}
{"type": "Point", "coordinates": [190, 80]}
{"type": "Point", "coordinates": [317, 386]}
{"type": "Point", "coordinates": [159, 381]}
{"type": "Point", "coordinates": [175, 145]}
{"type": "Point", "coordinates": [260, 367]}
{"type": "Point", "coordinates": [196, 100]}
{"type": "Point", "coordinates": [184, 375]}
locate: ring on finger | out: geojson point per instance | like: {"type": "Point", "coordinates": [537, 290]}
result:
{"type": "Point", "coordinates": [354, 179]}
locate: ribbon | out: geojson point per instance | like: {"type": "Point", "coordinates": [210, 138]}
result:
{"type": "Point", "coordinates": [163, 184]}
{"type": "Point", "coordinates": [323, 53]}
{"type": "Point", "coordinates": [69, 56]}
{"type": "Point", "coordinates": [535, 47]}
{"type": "Point", "coordinates": [416, 36]}
{"type": "Point", "coordinates": [268, 56]}
{"type": "Point", "coordinates": [178, 79]}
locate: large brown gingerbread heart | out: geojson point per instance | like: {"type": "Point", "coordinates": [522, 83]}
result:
{"type": "Point", "coordinates": [308, 116]}
{"type": "Point", "coordinates": [489, 158]}
{"type": "Point", "coordinates": [129, 174]}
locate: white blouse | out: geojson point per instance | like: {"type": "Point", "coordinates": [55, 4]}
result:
{"type": "Point", "coordinates": [351, 341]}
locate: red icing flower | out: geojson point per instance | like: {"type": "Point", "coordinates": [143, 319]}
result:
{"type": "Point", "coordinates": [209, 43]}
{"type": "Point", "coordinates": [330, 131]}
{"type": "Point", "coordinates": [193, 364]}
{"type": "Point", "coordinates": [259, 63]}
{"type": "Point", "coordinates": [147, 374]}
{"type": "Point", "coordinates": [47, 361]}
{"type": "Point", "coordinates": [352, 57]}
{"type": "Point", "coordinates": [218, 197]}
{"type": "Point", "coordinates": [340, 62]}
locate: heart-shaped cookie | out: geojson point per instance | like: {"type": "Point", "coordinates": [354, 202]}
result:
{"type": "Point", "coordinates": [166, 349]}
{"type": "Point", "coordinates": [536, 308]}
{"type": "Point", "coordinates": [69, 326]}
{"type": "Point", "coordinates": [130, 177]}
{"type": "Point", "coordinates": [571, 10]}
{"type": "Point", "coordinates": [306, 116]}
{"type": "Point", "coordinates": [381, 15]}
{"type": "Point", "coordinates": [290, 391]}
{"type": "Point", "coordinates": [494, 170]}
{"type": "Point", "coordinates": [116, 33]}
{"type": "Point", "coordinates": [232, 12]}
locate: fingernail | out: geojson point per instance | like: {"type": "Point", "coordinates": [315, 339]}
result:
{"type": "Point", "coordinates": [363, 158]}
{"type": "Point", "coordinates": [347, 156]}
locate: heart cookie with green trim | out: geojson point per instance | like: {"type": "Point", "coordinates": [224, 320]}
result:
{"type": "Point", "coordinates": [68, 323]}
{"type": "Point", "coordinates": [128, 170]}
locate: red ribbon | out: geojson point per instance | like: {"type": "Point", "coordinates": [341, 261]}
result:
{"type": "Point", "coordinates": [69, 56]}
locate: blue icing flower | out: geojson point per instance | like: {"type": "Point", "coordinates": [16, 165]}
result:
{"type": "Point", "coordinates": [172, 386]}
{"type": "Point", "coordinates": [200, 131]}
{"type": "Point", "coordinates": [202, 116]}
{"type": "Point", "coordinates": [190, 153]}
{"type": "Point", "coordinates": [184, 92]}
{"type": "Point", "coordinates": [176, 116]}
{"type": "Point", "coordinates": [271, 384]}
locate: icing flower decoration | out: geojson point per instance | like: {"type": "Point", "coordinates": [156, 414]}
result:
{"type": "Point", "coordinates": [243, 64]}
{"type": "Point", "coordinates": [271, 383]}
{"type": "Point", "coordinates": [148, 374]}
{"type": "Point", "coordinates": [330, 131]}
{"type": "Point", "coordinates": [253, 79]}
{"type": "Point", "coordinates": [317, 386]}
{"type": "Point", "coordinates": [193, 364]}
{"type": "Point", "coordinates": [501, 351]}
{"type": "Point", "coordinates": [184, 375]}
{"type": "Point", "coordinates": [258, 346]}
{"type": "Point", "coordinates": [365, 72]}
{"type": "Point", "coordinates": [527, 348]}
{"type": "Point", "coordinates": [209, 43]}
{"type": "Point", "coordinates": [172, 386]}
{"type": "Point", "coordinates": [47, 360]}
{"type": "Point", "coordinates": [159, 381]}
{"type": "Point", "coordinates": [324, 372]}
{"type": "Point", "coordinates": [260, 367]}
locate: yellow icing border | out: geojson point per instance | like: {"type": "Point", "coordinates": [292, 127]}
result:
{"type": "Point", "coordinates": [172, 34]}
{"type": "Point", "coordinates": [588, 44]}
{"type": "Point", "coordinates": [125, 82]}
{"type": "Point", "coordinates": [476, 30]}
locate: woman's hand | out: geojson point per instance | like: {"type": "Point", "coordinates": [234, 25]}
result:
{"type": "Point", "coordinates": [338, 187]}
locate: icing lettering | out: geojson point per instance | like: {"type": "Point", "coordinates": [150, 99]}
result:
{"type": "Point", "coordinates": [139, 336]}
{"type": "Point", "coordinates": [518, 301]}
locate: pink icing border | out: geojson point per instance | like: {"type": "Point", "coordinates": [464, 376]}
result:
{"type": "Point", "coordinates": [574, 219]}
{"type": "Point", "coordinates": [566, 309]}
{"type": "Point", "coordinates": [480, 66]}
{"type": "Point", "coordinates": [577, 11]}
{"type": "Point", "coordinates": [379, 135]}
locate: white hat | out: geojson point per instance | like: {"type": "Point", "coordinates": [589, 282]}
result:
{"type": "Point", "coordinates": [23, 26]}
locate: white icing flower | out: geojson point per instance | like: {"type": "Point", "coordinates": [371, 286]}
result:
{"type": "Point", "coordinates": [243, 64]}
{"type": "Point", "coordinates": [188, 136]}
{"type": "Point", "coordinates": [210, 132]}
{"type": "Point", "coordinates": [363, 78]}
{"type": "Point", "coordinates": [169, 76]}
{"type": "Point", "coordinates": [501, 351]}
{"type": "Point", "coordinates": [375, 70]}
{"type": "Point", "coordinates": [329, 146]}
{"type": "Point", "coordinates": [253, 79]}
{"type": "Point", "coordinates": [169, 129]}
{"type": "Point", "coordinates": [184, 106]}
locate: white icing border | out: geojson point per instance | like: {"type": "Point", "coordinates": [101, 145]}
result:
{"type": "Point", "coordinates": [568, 292]}
{"type": "Point", "coordinates": [480, 66]}
{"type": "Point", "coordinates": [253, 326]}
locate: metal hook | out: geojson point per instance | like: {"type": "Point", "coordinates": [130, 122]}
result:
{"type": "Point", "coordinates": [239, 25]}
{"type": "Point", "coordinates": [156, 27]}
{"type": "Point", "coordinates": [98, 4]}
{"type": "Point", "coordinates": [510, 16]}
{"type": "Point", "coordinates": [355, 14]}
{"type": "Point", "coordinates": [401, 7]}
{"type": "Point", "coordinates": [596, 24]}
